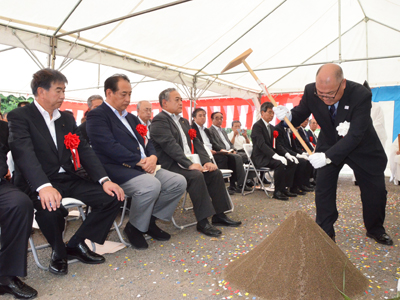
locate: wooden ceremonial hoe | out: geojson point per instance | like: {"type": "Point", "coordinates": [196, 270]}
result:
{"type": "Point", "coordinates": [241, 59]}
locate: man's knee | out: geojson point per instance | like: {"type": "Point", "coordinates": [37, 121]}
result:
{"type": "Point", "coordinates": [180, 182]}
{"type": "Point", "coordinates": [21, 204]}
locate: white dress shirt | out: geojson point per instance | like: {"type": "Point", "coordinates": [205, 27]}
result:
{"type": "Point", "coordinates": [148, 127]}
{"type": "Point", "coordinates": [176, 118]}
{"type": "Point", "coordinates": [219, 130]}
{"type": "Point", "coordinates": [206, 140]}
{"type": "Point", "coordinates": [239, 141]}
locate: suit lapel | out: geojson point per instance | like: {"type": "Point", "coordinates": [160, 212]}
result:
{"type": "Point", "coordinates": [342, 110]}
{"type": "Point", "coordinates": [60, 133]}
{"type": "Point", "coordinates": [115, 119]}
{"type": "Point", "coordinates": [42, 127]}
{"type": "Point", "coordinates": [131, 122]}
{"type": "Point", "coordinates": [168, 117]}
{"type": "Point", "coordinates": [185, 131]}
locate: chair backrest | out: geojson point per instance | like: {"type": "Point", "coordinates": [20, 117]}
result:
{"type": "Point", "coordinates": [210, 154]}
{"type": "Point", "coordinates": [248, 149]}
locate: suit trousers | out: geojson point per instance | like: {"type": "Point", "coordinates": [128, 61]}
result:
{"type": "Point", "coordinates": [16, 214]}
{"type": "Point", "coordinates": [283, 175]}
{"type": "Point", "coordinates": [373, 197]}
{"type": "Point", "coordinates": [235, 163]}
{"type": "Point", "coordinates": [153, 195]}
{"type": "Point", "coordinates": [303, 172]}
{"type": "Point", "coordinates": [203, 186]}
{"type": "Point", "coordinates": [104, 209]}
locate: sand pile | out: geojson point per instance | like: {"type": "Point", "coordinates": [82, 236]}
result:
{"type": "Point", "coordinates": [297, 261]}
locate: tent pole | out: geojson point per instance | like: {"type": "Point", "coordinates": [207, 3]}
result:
{"type": "Point", "coordinates": [65, 20]}
{"type": "Point", "coordinates": [28, 51]}
{"type": "Point", "coordinates": [366, 47]}
{"type": "Point", "coordinates": [124, 17]}
{"type": "Point", "coordinates": [4, 50]}
{"type": "Point", "coordinates": [340, 29]}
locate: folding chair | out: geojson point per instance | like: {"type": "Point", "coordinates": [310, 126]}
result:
{"type": "Point", "coordinates": [248, 149]}
{"type": "Point", "coordinates": [225, 174]}
{"type": "Point", "coordinates": [69, 203]}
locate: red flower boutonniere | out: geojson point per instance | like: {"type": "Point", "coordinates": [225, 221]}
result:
{"type": "Point", "coordinates": [294, 136]}
{"type": "Point", "coordinates": [312, 141]}
{"type": "Point", "coordinates": [142, 130]}
{"type": "Point", "coordinates": [192, 134]}
{"type": "Point", "coordinates": [71, 142]}
{"type": "Point", "coordinates": [275, 134]}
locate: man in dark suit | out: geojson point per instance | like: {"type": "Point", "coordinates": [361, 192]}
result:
{"type": "Point", "coordinates": [265, 154]}
{"type": "Point", "coordinates": [170, 135]}
{"type": "Point", "coordinates": [131, 161]}
{"type": "Point", "coordinates": [235, 161]}
{"type": "Point", "coordinates": [16, 214]}
{"type": "Point", "coordinates": [44, 169]}
{"type": "Point", "coordinates": [304, 135]}
{"type": "Point", "coordinates": [312, 131]}
{"type": "Point", "coordinates": [304, 170]}
{"type": "Point", "coordinates": [92, 102]}
{"type": "Point", "coordinates": [333, 100]}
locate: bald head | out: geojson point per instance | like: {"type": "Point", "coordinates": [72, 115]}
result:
{"type": "Point", "coordinates": [330, 83]}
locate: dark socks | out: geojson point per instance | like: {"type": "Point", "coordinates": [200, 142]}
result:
{"type": "Point", "coordinates": [5, 280]}
{"type": "Point", "coordinates": [220, 215]}
{"type": "Point", "coordinates": [74, 241]}
{"type": "Point", "coordinates": [203, 222]}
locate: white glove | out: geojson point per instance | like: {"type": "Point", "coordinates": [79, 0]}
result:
{"type": "Point", "coordinates": [280, 158]}
{"type": "Point", "coordinates": [303, 156]}
{"type": "Point", "coordinates": [318, 160]}
{"type": "Point", "coordinates": [281, 112]}
{"type": "Point", "coordinates": [291, 158]}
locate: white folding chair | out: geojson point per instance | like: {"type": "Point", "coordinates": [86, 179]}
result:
{"type": "Point", "coordinates": [225, 174]}
{"type": "Point", "coordinates": [248, 149]}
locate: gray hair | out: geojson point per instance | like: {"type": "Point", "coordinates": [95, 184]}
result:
{"type": "Point", "coordinates": [165, 95]}
{"type": "Point", "coordinates": [92, 98]}
{"type": "Point", "coordinates": [139, 103]}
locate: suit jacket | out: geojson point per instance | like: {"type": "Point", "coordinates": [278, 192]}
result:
{"type": "Point", "coordinates": [116, 147]}
{"type": "Point", "coordinates": [290, 146]}
{"type": "Point", "coordinates": [82, 128]}
{"type": "Point", "coordinates": [4, 133]}
{"type": "Point", "coordinates": [306, 139]}
{"type": "Point", "coordinates": [217, 139]}
{"type": "Point", "coordinates": [168, 142]}
{"type": "Point", "coordinates": [314, 137]}
{"type": "Point", "coordinates": [361, 144]}
{"type": "Point", "coordinates": [262, 145]}
{"type": "Point", "coordinates": [36, 157]}
{"type": "Point", "coordinates": [215, 146]}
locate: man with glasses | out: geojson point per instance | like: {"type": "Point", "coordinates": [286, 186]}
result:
{"type": "Point", "coordinates": [342, 109]}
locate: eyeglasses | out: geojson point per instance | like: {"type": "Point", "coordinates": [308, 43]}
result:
{"type": "Point", "coordinates": [327, 96]}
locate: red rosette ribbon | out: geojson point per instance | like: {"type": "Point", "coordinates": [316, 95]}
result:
{"type": "Point", "coordinates": [294, 136]}
{"type": "Point", "coordinates": [71, 142]}
{"type": "Point", "coordinates": [275, 134]}
{"type": "Point", "coordinates": [312, 141]}
{"type": "Point", "coordinates": [192, 135]}
{"type": "Point", "coordinates": [142, 130]}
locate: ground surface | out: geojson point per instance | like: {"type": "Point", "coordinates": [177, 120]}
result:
{"type": "Point", "coordinates": [190, 265]}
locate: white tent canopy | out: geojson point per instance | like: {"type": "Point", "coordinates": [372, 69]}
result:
{"type": "Point", "coordinates": [189, 42]}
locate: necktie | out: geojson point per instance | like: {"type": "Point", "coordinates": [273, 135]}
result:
{"type": "Point", "coordinates": [332, 112]}
{"type": "Point", "coordinates": [269, 130]}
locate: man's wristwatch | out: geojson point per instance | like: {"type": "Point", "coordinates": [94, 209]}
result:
{"type": "Point", "coordinates": [104, 181]}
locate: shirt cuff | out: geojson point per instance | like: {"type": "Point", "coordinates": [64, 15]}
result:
{"type": "Point", "coordinates": [43, 186]}
{"type": "Point", "coordinates": [101, 179]}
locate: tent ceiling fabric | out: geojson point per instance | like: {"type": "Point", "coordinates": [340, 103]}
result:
{"type": "Point", "coordinates": [172, 44]}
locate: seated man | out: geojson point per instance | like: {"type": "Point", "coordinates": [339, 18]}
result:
{"type": "Point", "coordinates": [170, 135]}
{"type": "Point", "coordinates": [39, 133]}
{"type": "Point", "coordinates": [304, 170]}
{"type": "Point", "coordinates": [303, 133]}
{"type": "Point", "coordinates": [92, 102]}
{"type": "Point", "coordinates": [144, 112]}
{"type": "Point", "coordinates": [16, 214]}
{"type": "Point", "coordinates": [238, 137]}
{"type": "Point", "coordinates": [130, 160]}
{"type": "Point", "coordinates": [265, 154]}
{"type": "Point", "coordinates": [235, 162]}
{"type": "Point", "coordinates": [312, 132]}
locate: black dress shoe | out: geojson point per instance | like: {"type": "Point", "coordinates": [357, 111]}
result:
{"type": "Point", "coordinates": [383, 238]}
{"type": "Point", "coordinates": [58, 266]}
{"type": "Point", "coordinates": [209, 230]}
{"type": "Point", "coordinates": [233, 189]}
{"type": "Point", "coordinates": [280, 196]}
{"type": "Point", "coordinates": [223, 220]}
{"type": "Point", "coordinates": [231, 192]}
{"type": "Point", "coordinates": [313, 183]}
{"type": "Point", "coordinates": [18, 289]}
{"type": "Point", "coordinates": [297, 191]}
{"type": "Point", "coordinates": [135, 237]}
{"type": "Point", "coordinates": [157, 233]}
{"type": "Point", "coordinates": [332, 236]}
{"type": "Point", "coordinates": [246, 188]}
{"type": "Point", "coordinates": [305, 188]}
{"type": "Point", "coordinates": [289, 194]}
{"type": "Point", "coordinates": [84, 254]}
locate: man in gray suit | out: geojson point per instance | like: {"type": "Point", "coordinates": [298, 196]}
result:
{"type": "Point", "coordinates": [170, 135]}
{"type": "Point", "coordinates": [131, 161]}
{"type": "Point", "coordinates": [235, 161]}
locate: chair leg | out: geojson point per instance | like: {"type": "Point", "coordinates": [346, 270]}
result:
{"type": "Point", "coordinates": [182, 226]}
{"type": "Point", "coordinates": [35, 255]}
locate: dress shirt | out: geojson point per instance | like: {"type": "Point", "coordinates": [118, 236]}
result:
{"type": "Point", "coordinates": [124, 121]}
{"type": "Point", "coordinates": [176, 118]}
{"type": "Point", "coordinates": [206, 140]}
{"type": "Point", "coordinates": [239, 141]}
{"type": "Point", "coordinates": [219, 130]}
{"type": "Point", "coordinates": [268, 127]}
